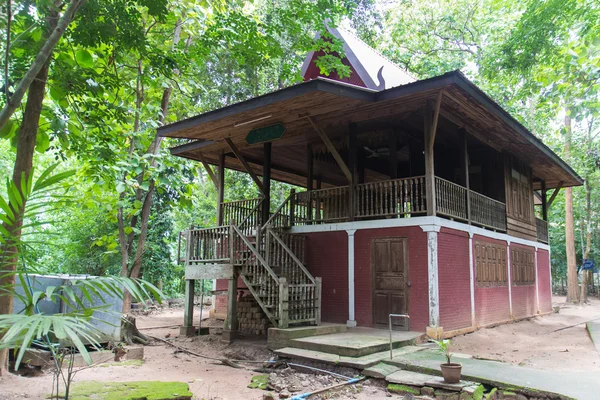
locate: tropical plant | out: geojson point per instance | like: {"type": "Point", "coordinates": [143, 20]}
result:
{"type": "Point", "coordinates": [82, 297]}
{"type": "Point", "coordinates": [443, 347]}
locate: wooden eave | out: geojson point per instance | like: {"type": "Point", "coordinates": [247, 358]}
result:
{"type": "Point", "coordinates": [334, 105]}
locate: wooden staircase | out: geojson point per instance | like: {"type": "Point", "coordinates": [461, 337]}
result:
{"type": "Point", "coordinates": [270, 261]}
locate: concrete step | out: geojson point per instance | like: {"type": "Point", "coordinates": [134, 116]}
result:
{"type": "Point", "coordinates": [278, 338]}
{"type": "Point", "coordinates": [354, 343]}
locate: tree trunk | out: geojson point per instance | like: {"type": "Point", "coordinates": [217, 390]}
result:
{"type": "Point", "coordinates": [572, 281]}
{"type": "Point", "coordinates": [136, 264]}
{"type": "Point", "coordinates": [57, 28]}
{"type": "Point", "coordinates": [23, 165]}
{"type": "Point", "coordinates": [130, 333]}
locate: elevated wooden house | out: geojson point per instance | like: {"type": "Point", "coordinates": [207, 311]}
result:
{"type": "Point", "coordinates": [420, 197]}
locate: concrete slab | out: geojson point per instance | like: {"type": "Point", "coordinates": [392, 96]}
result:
{"type": "Point", "coordinates": [439, 383]}
{"type": "Point", "coordinates": [408, 378]}
{"type": "Point", "coordinates": [356, 342]}
{"type": "Point", "coordinates": [380, 370]}
{"type": "Point", "coordinates": [593, 328]}
{"type": "Point", "coordinates": [536, 383]}
{"type": "Point", "coordinates": [279, 338]}
{"type": "Point", "coordinates": [344, 361]}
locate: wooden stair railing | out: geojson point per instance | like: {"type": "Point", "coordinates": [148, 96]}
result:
{"type": "Point", "coordinates": [245, 213]}
{"type": "Point", "coordinates": [258, 276]}
{"type": "Point", "coordinates": [285, 253]}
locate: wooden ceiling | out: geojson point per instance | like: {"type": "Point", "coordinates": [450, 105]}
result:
{"type": "Point", "coordinates": [334, 106]}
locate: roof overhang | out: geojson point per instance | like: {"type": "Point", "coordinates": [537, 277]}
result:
{"type": "Point", "coordinates": [329, 101]}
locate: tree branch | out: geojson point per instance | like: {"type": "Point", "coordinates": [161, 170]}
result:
{"type": "Point", "coordinates": [39, 62]}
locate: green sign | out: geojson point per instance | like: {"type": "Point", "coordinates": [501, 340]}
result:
{"type": "Point", "coordinates": [265, 134]}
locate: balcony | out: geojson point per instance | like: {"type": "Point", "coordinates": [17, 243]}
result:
{"type": "Point", "coordinates": [397, 198]}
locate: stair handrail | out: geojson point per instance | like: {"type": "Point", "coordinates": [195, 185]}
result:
{"type": "Point", "coordinates": [270, 231]}
{"type": "Point", "coordinates": [277, 211]}
{"type": "Point", "coordinates": [256, 253]}
{"type": "Point", "coordinates": [257, 207]}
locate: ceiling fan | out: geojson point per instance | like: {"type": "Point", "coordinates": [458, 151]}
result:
{"type": "Point", "coordinates": [382, 151]}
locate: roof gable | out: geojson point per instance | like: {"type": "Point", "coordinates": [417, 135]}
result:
{"type": "Point", "coordinates": [368, 67]}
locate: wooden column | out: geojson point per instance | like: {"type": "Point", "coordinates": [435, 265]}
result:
{"type": "Point", "coordinates": [266, 183]}
{"type": "Point", "coordinates": [465, 160]}
{"type": "Point", "coordinates": [430, 128]}
{"type": "Point", "coordinates": [393, 145]}
{"type": "Point", "coordinates": [544, 202]}
{"type": "Point", "coordinates": [231, 322]}
{"type": "Point", "coordinates": [353, 166]}
{"type": "Point", "coordinates": [221, 189]}
{"type": "Point", "coordinates": [309, 179]}
{"type": "Point", "coordinates": [429, 164]}
{"type": "Point", "coordinates": [188, 312]}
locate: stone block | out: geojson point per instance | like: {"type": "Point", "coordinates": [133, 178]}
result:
{"type": "Point", "coordinates": [403, 389]}
{"type": "Point", "coordinates": [408, 378]}
{"type": "Point", "coordinates": [134, 352]}
{"type": "Point", "coordinates": [435, 332]}
{"type": "Point", "coordinates": [437, 382]}
{"type": "Point", "coordinates": [427, 391]}
{"type": "Point", "coordinates": [441, 394]}
{"type": "Point", "coordinates": [37, 358]}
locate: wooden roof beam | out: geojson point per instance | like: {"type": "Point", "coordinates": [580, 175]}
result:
{"type": "Point", "coordinates": [338, 158]}
{"type": "Point", "coordinates": [209, 170]}
{"type": "Point", "coordinates": [247, 167]}
{"type": "Point", "coordinates": [554, 194]}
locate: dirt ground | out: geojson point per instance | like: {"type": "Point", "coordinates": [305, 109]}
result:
{"type": "Point", "coordinates": [536, 343]}
{"type": "Point", "coordinates": [530, 343]}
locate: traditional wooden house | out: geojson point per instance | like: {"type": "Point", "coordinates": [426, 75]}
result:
{"type": "Point", "coordinates": [420, 197]}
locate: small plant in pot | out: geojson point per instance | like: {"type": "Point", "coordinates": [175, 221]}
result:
{"type": "Point", "coordinates": [450, 371]}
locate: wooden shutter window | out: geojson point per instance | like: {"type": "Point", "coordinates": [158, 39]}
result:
{"type": "Point", "coordinates": [490, 264]}
{"type": "Point", "coordinates": [523, 266]}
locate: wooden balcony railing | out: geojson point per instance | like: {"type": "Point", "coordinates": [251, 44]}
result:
{"type": "Point", "coordinates": [542, 230]}
{"type": "Point", "coordinates": [450, 199]}
{"type": "Point", "coordinates": [246, 214]}
{"type": "Point", "coordinates": [487, 212]}
{"type": "Point", "coordinates": [208, 246]}
{"type": "Point", "coordinates": [393, 198]}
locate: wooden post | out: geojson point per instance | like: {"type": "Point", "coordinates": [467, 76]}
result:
{"type": "Point", "coordinates": [188, 312]}
{"type": "Point", "coordinates": [544, 202]}
{"type": "Point", "coordinates": [352, 153]}
{"type": "Point", "coordinates": [266, 205]}
{"type": "Point", "coordinates": [318, 290]}
{"type": "Point", "coordinates": [221, 191]}
{"type": "Point", "coordinates": [318, 202]}
{"type": "Point", "coordinates": [231, 322]}
{"type": "Point", "coordinates": [284, 295]}
{"type": "Point", "coordinates": [393, 145]}
{"type": "Point", "coordinates": [465, 159]}
{"type": "Point", "coordinates": [309, 180]}
{"type": "Point", "coordinates": [292, 205]}
{"type": "Point", "coordinates": [429, 164]}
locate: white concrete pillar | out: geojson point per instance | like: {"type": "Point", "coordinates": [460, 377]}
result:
{"type": "Point", "coordinates": [509, 278]}
{"type": "Point", "coordinates": [432, 274]}
{"type": "Point", "coordinates": [351, 317]}
{"type": "Point", "coordinates": [537, 283]}
{"type": "Point", "coordinates": [472, 279]}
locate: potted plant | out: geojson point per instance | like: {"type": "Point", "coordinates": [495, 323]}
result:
{"type": "Point", "coordinates": [450, 371]}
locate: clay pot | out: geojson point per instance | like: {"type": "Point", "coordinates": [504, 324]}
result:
{"type": "Point", "coordinates": [451, 372]}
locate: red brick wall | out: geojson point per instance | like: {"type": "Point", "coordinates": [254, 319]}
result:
{"type": "Point", "coordinates": [221, 299]}
{"type": "Point", "coordinates": [454, 279]}
{"type": "Point", "coordinates": [544, 281]}
{"type": "Point", "coordinates": [327, 257]}
{"type": "Point", "coordinates": [491, 303]}
{"type": "Point", "coordinates": [417, 274]}
{"type": "Point", "coordinates": [523, 297]}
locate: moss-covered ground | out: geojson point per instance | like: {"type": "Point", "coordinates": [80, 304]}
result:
{"type": "Point", "coordinates": [149, 390]}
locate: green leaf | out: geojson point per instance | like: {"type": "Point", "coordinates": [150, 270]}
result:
{"type": "Point", "coordinates": [121, 187]}
{"type": "Point", "coordinates": [128, 230]}
{"type": "Point", "coordinates": [84, 58]}
{"type": "Point", "coordinates": [8, 130]}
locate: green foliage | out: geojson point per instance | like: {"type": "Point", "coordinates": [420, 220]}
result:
{"type": "Point", "coordinates": [150, 390]}
{"type": "Point", "coordinates": [443, 347]}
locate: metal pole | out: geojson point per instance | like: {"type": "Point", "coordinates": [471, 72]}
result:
{"type": "Point", "coordinates": [390, 325]}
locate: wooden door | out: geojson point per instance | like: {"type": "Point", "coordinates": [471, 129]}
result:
{"type": "Point", "coordinates": [389, 269]}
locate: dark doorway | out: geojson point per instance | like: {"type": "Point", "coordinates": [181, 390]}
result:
{"type": "Point", "coordinates": [389, 266]}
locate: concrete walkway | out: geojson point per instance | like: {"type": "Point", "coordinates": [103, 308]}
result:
{"type": "Point", "coordinates": [504, 376]}
{"type": "Point", "coordinates": [593, 328]}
